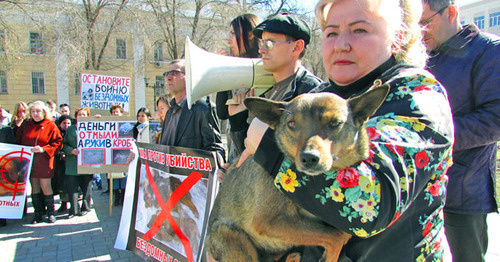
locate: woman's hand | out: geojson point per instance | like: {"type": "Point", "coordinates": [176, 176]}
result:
{"type": "Point", "coordinates": [37, 149]}
{"type": "Point", "coordinates": [223, 52]}
{"type": "Point", "coordinates": [255, 133]}
{"type": "Point", "coordinates": [238, 99]}
{"type": "Point", "coordinates": [130, 157]}
{"type": "Point", "coordinates": [74, 151]}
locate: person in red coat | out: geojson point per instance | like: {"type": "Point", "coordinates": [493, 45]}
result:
{"type": "Point", "coordinates": [42, 134]}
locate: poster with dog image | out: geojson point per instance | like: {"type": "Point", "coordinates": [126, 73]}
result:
{"type": "Point", "coordinates": [104, 143]}
{"type": "Point", "coordinates": [15, 168]}
{"type": "Point", "coordinates": [169, 193]}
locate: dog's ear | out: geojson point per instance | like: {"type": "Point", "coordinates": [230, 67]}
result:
{"type": "Point", "coordinates": [366, 105]}
{"type": "Point", "coordinates": [266, 110]}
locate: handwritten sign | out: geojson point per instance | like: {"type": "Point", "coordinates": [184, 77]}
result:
{"type": "Point", "coordinates": [104, 144]}
{"type": "Point", "coordinates": [101, 92]}
{"type": "Point", "coordinates": [169, 193]}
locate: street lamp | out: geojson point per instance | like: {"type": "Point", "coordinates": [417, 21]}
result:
{"type": "Point", "coordinates": [156, 88]}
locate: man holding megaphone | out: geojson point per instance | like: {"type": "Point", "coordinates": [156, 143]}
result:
{"type": "Point", "coordinates": [283, 42]}
{"type": "Point", "coordinates": [197, 127]}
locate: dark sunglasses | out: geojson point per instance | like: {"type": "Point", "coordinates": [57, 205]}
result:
{"type": "Point", "coordinates": [173, 72]}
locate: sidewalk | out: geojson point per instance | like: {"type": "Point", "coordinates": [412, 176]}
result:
{"type": "Point", "coordinates": [87, 238]}
{"type": "Point", "coordinates": [92, 237]}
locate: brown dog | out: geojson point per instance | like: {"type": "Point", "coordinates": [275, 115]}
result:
{"type": "Point", "coordinates": [251, 219]}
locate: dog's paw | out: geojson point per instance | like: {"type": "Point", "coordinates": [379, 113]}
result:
{"type": "Point", "coordinates": [293, 257]}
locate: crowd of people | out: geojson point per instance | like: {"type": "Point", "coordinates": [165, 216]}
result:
{"type": "Point", "coordinates": [433, 141]}
{"type": "Point", "coordinates": [53, 136]}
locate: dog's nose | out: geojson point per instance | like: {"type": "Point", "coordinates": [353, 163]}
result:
{"type": "Point", "coordinates": [309, 159]}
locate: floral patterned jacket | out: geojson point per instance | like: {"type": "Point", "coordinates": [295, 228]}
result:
{"type": "Point", "coordinates": [393, 201]}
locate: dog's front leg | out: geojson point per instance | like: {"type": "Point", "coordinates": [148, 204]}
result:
{"type": "Point", "coordinates": [298, 230]}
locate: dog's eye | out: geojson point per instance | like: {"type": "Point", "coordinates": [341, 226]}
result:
{"type": "Point", "coordinates": [292, 125]}
{"type": "Point", "coordinates": [334, 124]}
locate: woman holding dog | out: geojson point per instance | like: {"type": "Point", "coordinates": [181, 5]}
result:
{"type": "Point", "coordinates": [392, 202]}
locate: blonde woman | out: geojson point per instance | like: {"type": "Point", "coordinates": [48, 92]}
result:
{"type": "Point", "coordinates": [42, 134]}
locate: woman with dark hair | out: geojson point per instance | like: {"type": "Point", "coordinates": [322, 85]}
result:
{"type": "Point", "coordinates": [242, 43]}
{"type": "Point", "coordinates": [141, 128]}
{"type": "Point", "coordinates": [58, 182]}
{"type": "Point", "coordinates": [73, 179]}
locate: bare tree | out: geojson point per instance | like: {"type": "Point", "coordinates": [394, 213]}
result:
{"type": "Point", "coordinates": [95, 50]}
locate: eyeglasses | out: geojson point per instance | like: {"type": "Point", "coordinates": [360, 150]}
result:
{"type": "Point", "coordinates": [269, 44]}
{"type": "Point", "coordinates": [428, 20]}
{"type": "Point", "coordinates": [173, 73]}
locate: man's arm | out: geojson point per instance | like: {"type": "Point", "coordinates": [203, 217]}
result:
{"type": "Point", "coordinates": [482, 126]}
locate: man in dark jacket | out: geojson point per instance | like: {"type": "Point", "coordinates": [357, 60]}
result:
{"type": "Point", "coordinates": [197, 127]}
{"type": "Point", "coordinates": [467, 63]}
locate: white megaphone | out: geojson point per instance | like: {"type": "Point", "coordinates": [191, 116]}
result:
{"type": "Point", "coordinates": [207, 73]}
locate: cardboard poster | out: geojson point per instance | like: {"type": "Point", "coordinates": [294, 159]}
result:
{"type": "Point", "coordinates": [104, 144]}
{"type": "Point", "coordinates": [169, 193]}
{"type": "Point", "coordinates": [101, 91]}
{"type": "Point", "coordinates": [15, 169]}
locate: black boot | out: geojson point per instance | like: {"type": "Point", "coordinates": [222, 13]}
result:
{"type": "Point", "coordinates": [116, 195]}
{"type": "Point", "coordinates": [36, 200]}
{"type": "Point", "coordinates": [49, 204]}
{"type": "Point", "coordinates": [63, 208]}
{"type": "Point", "coordinates": [122, 196]}
{"type": "Point", "coordinates": [74, 209]}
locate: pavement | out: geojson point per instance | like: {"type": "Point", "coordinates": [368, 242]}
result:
{"type": "Point", "coordinates": [87, 238]}
{"type": "Point", "coordinates": [92, 237]}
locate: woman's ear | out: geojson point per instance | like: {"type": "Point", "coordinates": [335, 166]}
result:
{"type": "Point", "coordinates": [250, 36]}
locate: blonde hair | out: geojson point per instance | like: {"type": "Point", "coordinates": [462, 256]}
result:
{"type": "Point", "coordinates": [16, 110]}
{"type": "Point", "coordinates": [43, 106]}
{"type": "Point", "coordinates": [407, 40]}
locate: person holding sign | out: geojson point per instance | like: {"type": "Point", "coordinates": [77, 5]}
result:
{"type": "Point", "coordinates": [119, 183]}
{"type": "Point", "coordinates": [43, 135]}
{"type": "Point", "coordinates": [73, 179]}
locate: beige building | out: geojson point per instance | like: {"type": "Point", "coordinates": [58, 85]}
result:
{"type": "Point", "coordinates": [484, 13]}
{"type": "Point", "coordinates": [39, 62]}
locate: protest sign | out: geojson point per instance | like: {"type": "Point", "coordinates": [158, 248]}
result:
{"type": "Point", "coordinates": [101, 92]}
{"type": "Point", "coordinates": [104, 144]}
{"type": "Point", "coordinates": [15, 169]}
{"type": "Point", "coordinates": [170, 191]}
{"type": "Point", "coordinates": [154, 131]}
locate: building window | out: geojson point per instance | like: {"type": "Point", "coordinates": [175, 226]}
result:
{"type": "Point", "coordinates": [2, 40]}
{"type": "Point", "coordinates": [37, 83]}
{"type": "Point", "coordinates": [158, 55]}
{"type": "Point", "coordinates": [77, 83]}
{"type": "Point", "coordinates": [121, 49]}
{"type": "Point", "coordinates": [479, 21]}
{"type": "Point", "coordinates": [3, 83]}
{"type": "Point", "coordinates": [36, 43]}
{"type": "Point", "coordinates": [495, 19]}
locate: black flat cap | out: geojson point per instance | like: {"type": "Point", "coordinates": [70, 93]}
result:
{"type": "Point", "coordinates": [285, 24]}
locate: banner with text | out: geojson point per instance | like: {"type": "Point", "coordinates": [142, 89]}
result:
{"type": "Point", "coordinates": [104, 144]}
{"type": "Point", "coordinates": [170, 191]}
{"type": "Point", "coordinates": [15, 169]}
{"type": "Point", "coordinates": [101, 92]}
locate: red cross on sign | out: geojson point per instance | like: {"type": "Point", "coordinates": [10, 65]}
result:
{"type": "Point", "coordinates": [166, 208]}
